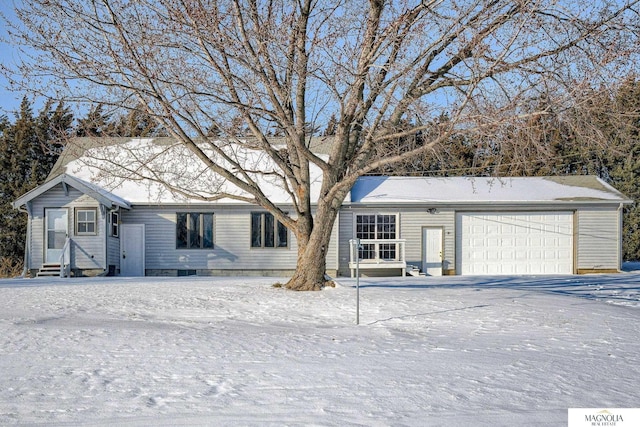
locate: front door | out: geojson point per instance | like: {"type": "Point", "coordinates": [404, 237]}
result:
{"type": "Point", "coordinates": [56, 233]}
{"type": "Point", "coordinates": [132, 250]}
{"type": "Point", "coordinates": [432, 257]}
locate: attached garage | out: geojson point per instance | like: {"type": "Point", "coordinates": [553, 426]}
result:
{"type": "Point", "coordinates": [514, 243]}
{"type": "Point", "coordinates": [493, 226]}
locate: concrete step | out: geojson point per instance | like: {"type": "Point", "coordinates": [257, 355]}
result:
{"type": "Point", "coordinates": [412, 270]}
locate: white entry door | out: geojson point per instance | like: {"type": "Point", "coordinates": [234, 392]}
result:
{"type": "Point", "coordinates": [132, 250]}
{"type": "Point", "coordinates": [432, 257]}
{"type": "Point", "coordinates": [56, 233]}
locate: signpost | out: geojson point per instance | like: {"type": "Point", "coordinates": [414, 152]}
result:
{"type": "Point", "coordinates": [356, 243]}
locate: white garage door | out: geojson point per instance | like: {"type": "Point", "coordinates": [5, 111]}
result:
{"type": "Point", "coordinates": [514, 243]}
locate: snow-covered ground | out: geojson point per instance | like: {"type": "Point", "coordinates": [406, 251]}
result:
{"type": "Point", "coordinates": [237, 351]}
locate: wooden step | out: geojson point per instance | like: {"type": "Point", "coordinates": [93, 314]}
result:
{"type": "Point", "coordinates": [49, 270]}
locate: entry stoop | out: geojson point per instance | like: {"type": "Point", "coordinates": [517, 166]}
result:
{"type": "Point", "coordinates": [49, 270]}
{"type": "Point", "coordinates": [412, 270]}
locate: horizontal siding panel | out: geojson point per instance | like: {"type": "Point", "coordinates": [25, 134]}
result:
{"type": "Point", "coordinates": [411, 223]}
{"type": "Point", "coordinates": [87, 251]}
{"type": "Point", "coordinates": [346, 233]}
{"type": "Point", "coordinates": [232, 238]}
{"type": "Point", "coordinates": [113, 252]}
{"type": "Point", "coordinates": [598, 239]}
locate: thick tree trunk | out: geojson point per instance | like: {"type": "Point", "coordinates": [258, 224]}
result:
{"type": "Point", "coordinates": [310, 270]}
{"type": "Point", "coordinates": [312, 253]}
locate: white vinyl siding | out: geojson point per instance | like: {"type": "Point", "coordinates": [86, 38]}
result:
{"type": "Point", "coordinates": [410, 223]}
{"type": "Point", "coordinates": [598, 239]}
{"type": "Point", "coordinates": [596, 236]}
{"type": "Point", "coordinates": [232, 236]}
{"type": "Point", "coordinates": [346, 221]}
{"type": "Point", "coordinates": [113, 252]}
{"type": "Point", "coordinates": [87, 251]}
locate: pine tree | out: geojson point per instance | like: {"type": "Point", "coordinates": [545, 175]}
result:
{"type": "Point", "coordinates": [624, 162]}
{"type": "Point", "coordinates": [135, 124]}
{"type": "Point", "coordinates": [96, 123]}
{"type": "Point", "coordinates": [53, 127]}
{"type": "Point", "coordinates": [28, 150]}
{"type": "Point", "coordinates": [17, 175]}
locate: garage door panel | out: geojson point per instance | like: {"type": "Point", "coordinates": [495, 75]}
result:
{"type": "Point", "coordinates": [515, 243]}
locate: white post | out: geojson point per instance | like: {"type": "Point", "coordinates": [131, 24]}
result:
{"type": "Point", "coordinates": [357, 244]}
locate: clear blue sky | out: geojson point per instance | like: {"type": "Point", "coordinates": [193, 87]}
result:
{"type": "Point", "coordinates": [9, 101]}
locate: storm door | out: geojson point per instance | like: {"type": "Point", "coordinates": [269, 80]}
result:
{"type": "Point", "coordinates": [56, 233]}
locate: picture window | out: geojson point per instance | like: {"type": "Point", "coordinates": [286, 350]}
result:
{"type": "Point", "coordinates": [194, 230]}
{"type": "Point", "coordinates": [266, 232]}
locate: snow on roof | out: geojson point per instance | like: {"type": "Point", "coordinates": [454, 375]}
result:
{"type": "Point", "coordinates": [135, 170]}
{"type": "Point", "coordinates": [132, 170]}
{"type": "Point", "coordinates": [384, 189]}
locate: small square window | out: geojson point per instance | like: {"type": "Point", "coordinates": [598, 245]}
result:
{"type": "Point", "coordinates": [86, 222]}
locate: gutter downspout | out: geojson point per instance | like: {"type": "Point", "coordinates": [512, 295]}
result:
{"type": "Point", "coordinates": [105, 247]}
{"type": "Point", "coordinates": [107, 229]}
{"type": "Point", "coordinates": [620, 231]}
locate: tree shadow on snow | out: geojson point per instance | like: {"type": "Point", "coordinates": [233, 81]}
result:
{"type": "Point", "coordinates": [621, 288]}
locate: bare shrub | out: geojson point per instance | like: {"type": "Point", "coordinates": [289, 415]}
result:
{"type": "Point", "coordinates": [10, 267]}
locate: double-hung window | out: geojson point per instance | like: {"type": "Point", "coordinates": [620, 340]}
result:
{"type": "Point", "coordinates": [266, 232]}
{"type": "Point", "coordinates": [377, 227]}
{"type": "Point", "coordinates": [114, 223]}
{"type": "Point", "coordinates": [194, 230]}
{"type": "Point", "coordinates": [86, 221]}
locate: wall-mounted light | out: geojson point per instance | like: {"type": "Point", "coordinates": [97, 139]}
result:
{"type": "Point", "coordinates": [432, 211]}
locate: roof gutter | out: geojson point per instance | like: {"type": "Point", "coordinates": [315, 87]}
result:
{"type": "Point", "coordinates": [561, 204]}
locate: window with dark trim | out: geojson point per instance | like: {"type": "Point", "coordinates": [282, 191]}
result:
{"type": "Point", "coordinates": [266, 232]}
{"type": "Point", "coordinates": [86, 221]}
{"type": "Point", "coordinates": [377, 227]}
{"type": "Point", "coordinates": [194, 230]}
{"type": "Point", "coordinates": [114, 224]}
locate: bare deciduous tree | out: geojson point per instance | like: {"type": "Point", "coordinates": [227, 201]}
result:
{"type": "Point", "coordinates": [198, 65]}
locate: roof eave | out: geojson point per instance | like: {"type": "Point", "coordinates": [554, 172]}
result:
{"type": "Point", "coordinates": [74, 182]}
{"type": "Point", "coordinates": [490, 203]}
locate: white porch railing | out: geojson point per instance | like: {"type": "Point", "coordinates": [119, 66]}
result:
{"type": "Point", "coordinates": [377, 253]}
{"type": "Point", "coordinates": [65, 259]}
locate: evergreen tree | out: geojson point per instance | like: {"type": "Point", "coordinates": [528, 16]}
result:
{"type": "Point", "coordinates": [28, 150]}
{"type": "Point", "coordinates": [95, 124]}
{"type": "Point", "coordinates": [53, 127]}
{"type": "Point", "coordinates": [17, 175]}
{"type": "Point", "coordinates": [331, 126]}
{"type": "Point", "coordinates": [623, 163]}
{"type": "Point", "coordinates": [135, 124]}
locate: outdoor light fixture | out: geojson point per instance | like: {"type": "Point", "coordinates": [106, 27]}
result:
{"type": "Point", "coordinates": [432, 211]}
